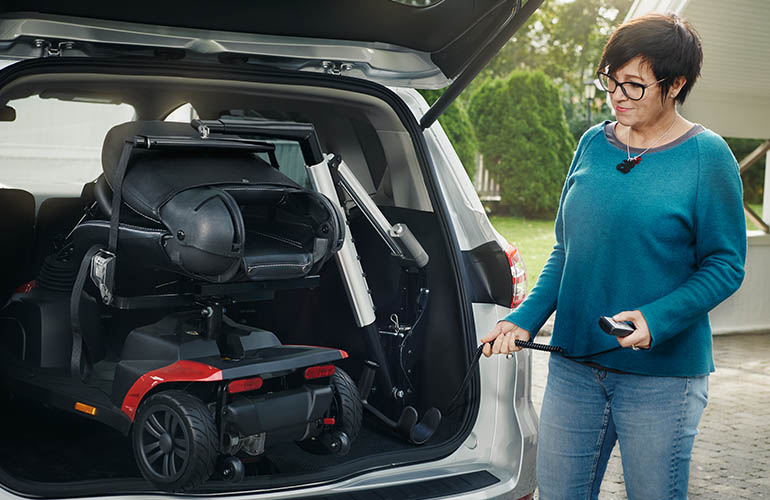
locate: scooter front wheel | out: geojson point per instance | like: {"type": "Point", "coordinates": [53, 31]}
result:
{"type": "Point", "coordinates": [175, 441]}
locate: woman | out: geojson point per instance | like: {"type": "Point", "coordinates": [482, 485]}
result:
{"type": "Point", "coordinates": [650, 230]}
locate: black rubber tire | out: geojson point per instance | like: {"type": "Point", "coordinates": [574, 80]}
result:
{"type": "Point", "coordinates": [350, 410]}
{"type": "Point", "coordinates": [347, 410]}
{"type": "Point", "coordinates": [192, 439]}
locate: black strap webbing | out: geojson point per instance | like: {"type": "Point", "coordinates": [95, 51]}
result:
{"type": "Point", "coordinates": [117, 195]}
{"type": "Point", "coordinates": [77, 358]}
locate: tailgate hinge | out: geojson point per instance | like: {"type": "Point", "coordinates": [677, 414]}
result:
{"type": "Point", "coordinates": [51, 50]}
{"type": "Point", "coordinates": [336, 67]}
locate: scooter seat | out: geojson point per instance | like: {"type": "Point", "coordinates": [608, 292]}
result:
{"type": "Point", "coordinates": [217, 216]}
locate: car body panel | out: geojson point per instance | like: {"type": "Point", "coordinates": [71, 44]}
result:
{"type": "Point", "coordinates": [503, 438]}
{"type": "Point", "coordinates": [385, 40]}
{"type": "Point", "coordinates": [471, 222]}
{"type": "Point", "coordinates": [392, 42]}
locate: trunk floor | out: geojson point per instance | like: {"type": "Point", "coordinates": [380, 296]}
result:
{"type": "Point", "coordinates": [47, 445]}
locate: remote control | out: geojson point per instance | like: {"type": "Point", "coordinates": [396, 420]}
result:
{"type": "Point", "coordinates": [616, 328]}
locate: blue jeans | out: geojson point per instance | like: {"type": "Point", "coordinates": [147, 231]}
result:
{"type": "Point", "coordinates": [585, 410]}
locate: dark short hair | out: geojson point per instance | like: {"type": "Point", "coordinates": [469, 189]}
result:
{"type": "Point", "coordinates": [669, 44]}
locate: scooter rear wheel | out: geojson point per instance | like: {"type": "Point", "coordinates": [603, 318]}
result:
{"type": "Point", "coordinates": [175, 441]}
{"type": "Point", "coordinates": [348, 412]}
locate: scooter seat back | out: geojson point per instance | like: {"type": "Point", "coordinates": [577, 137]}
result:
{"type": "Point", "coordinates": [218, 216]}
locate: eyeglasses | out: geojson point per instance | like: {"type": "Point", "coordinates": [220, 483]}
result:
{"type": "Point", "coordinates": [632, 90]}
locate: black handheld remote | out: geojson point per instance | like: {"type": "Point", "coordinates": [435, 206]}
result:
{"type": "Point", "coordinates": [616, 328]}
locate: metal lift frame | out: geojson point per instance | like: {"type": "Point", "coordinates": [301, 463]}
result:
{"type": "Point", "coordinates": [326, 172]}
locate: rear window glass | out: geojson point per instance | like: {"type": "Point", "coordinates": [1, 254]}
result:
{"type": "Point", "coordinates": [54, 147]}
{"type": "Point", "coordinates": [291, 163]}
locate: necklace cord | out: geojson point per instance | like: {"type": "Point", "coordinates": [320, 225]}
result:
{"type": "Point", "coordinates": [628, 141]}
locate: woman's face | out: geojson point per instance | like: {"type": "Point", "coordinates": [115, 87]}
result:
{"type": "Point", "coordinates": [649, 108]}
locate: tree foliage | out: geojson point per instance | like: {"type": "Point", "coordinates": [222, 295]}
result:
{"type": "Point", "coordinates": [458, 127]}
{"type": "Point", "coordinates": [523, 136]}
{"type": "Point", "coordinates": [754, 177]}
{"type": "Point", "coordinates": [565, 41]}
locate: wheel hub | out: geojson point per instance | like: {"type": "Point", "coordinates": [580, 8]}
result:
{"type": "Point", "coordinates": [166, 444]}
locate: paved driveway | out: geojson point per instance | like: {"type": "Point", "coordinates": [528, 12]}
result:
{"type": "Point", "coordinates": [731, 459]}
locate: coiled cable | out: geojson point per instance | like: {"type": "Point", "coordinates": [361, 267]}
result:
{"type": "Point", "coordinates": [520, 343]}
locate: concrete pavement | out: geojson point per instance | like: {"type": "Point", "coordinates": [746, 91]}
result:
{"type": "Point", "coordinates": [731, 459]}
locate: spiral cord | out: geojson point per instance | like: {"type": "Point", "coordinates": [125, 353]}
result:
{"type": "Point", "coordinates": [539, 347]}
{"type": "Point", "coordinates": [525, 344]}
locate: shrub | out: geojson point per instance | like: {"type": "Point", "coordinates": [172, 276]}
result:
{"type": "Point", "coordinates": [458, 127]}
{"type": "Point", "coordinates": [523, 135]}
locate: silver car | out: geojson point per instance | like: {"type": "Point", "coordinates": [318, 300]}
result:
{"type": "Point", "coordinates": [421, 277]}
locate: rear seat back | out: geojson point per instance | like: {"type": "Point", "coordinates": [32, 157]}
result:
{"type": "Point", "coordinates": [55, 219]}
{"type": "Point", "coordinates": [17, 227]}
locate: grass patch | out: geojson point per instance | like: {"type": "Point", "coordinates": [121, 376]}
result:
{"type": "Point", "coordinates": [534, 239]}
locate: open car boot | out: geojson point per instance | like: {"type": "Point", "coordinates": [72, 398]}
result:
{"type": "Point", "coordinates": [332, 177]}
{"type": "Point", "coordinates": [183, 231]}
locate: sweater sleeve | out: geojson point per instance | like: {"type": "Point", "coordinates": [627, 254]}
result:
{"type": "Point", "coordinates": [720, 247]}
{"type": "Point", "coordinates": [535, 310]}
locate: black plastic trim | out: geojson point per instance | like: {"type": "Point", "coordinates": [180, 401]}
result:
{"type": "Point", "coordinates": [422, 490]}
{"type": "Point", "coordinates": [243, 73]}
{"type": "Point", "coordinates": [50, 391]}
{"type": "Point", "coordinates": [490, 274]}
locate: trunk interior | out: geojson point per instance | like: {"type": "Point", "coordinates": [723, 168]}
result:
{"type": "Point", "coordinates": [46, 448]}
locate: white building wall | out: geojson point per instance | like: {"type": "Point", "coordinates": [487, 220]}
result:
{"type": "Point", "coordinates": [748, 310]}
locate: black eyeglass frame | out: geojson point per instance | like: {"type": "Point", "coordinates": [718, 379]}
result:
{"type": "Point", "coordinates": [600, 74]}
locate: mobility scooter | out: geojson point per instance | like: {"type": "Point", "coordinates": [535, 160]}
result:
{"type": "Point", "coordinates": [137, 320]}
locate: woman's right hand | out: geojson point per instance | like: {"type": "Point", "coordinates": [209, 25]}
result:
{"type": "Point", "coordinates": [502, 339]}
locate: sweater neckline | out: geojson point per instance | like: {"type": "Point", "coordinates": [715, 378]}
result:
{"type": "Point", "coordinates": [609, 134]}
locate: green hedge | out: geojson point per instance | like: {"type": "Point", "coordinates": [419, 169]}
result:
{"type": "Point", "coordinates": [459, 129]}
{"type": "Point", "coordinates": [523, 135]}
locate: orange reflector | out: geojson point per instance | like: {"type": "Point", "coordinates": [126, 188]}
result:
{"type": "Point", "coordinates": [319, 371]}
{"type": "Point", "coordinates": [244, 385]}
{"type": "Point", "coordinates": [90, 410]}
{"type": "Point", "coordinates": [329, 421]}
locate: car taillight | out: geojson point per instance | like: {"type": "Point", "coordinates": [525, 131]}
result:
{"type": "Point", "coordinates": [244, 385]}
{"type": "Point", "coordinates": [319, 371]}
{"type": "Point", "coordinates": [518, 275]}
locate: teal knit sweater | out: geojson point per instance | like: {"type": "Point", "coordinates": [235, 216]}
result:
{"type": "Point", "coordinates": [667, 238]}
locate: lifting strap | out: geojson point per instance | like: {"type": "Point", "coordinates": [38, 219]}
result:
{"type": "Point", "coordinates": [80, 364]}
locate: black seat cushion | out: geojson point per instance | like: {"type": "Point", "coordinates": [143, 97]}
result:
{"type": "Point", "coordinates": [272, 256]}
{"type": "Point", "coordinates": [155, 177]}
{"type": "Point", "coordinates": [218, 216]}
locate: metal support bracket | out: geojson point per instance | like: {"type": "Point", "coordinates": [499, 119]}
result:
{"type": "Point", "coordinates": [397, 237]}
{"type": "Point", "coordinates": [103, 274]}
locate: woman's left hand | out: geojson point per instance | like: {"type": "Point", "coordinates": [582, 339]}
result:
{"type": "Point", "coordinates": [640, 338]}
